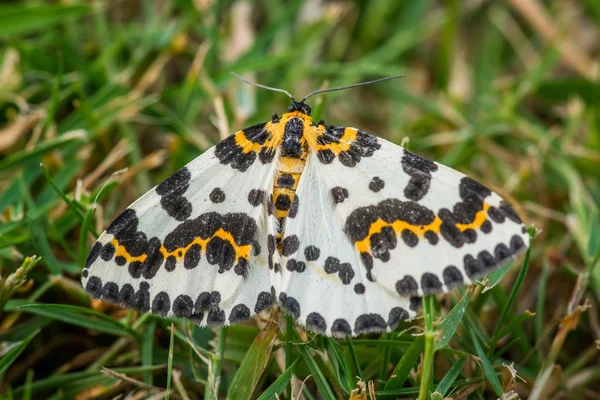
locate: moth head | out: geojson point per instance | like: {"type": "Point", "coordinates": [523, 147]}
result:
{"type": "Point", "coordinates": [300, 106]}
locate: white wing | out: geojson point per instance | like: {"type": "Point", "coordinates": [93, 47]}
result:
{"type": "Point", "coordinates": [196, 245]}
{"type": "Point", "coordinates": [399, 225]}
{"type": "Point", "coordinates": [324, 284]}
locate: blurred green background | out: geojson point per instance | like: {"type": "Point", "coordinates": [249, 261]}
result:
{"type": "Point", "coordinates": [100, 101]}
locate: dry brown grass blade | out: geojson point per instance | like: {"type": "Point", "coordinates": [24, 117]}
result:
{"type": "Point", "coordinates": [571, 54]}
{"type": "Point", "coordinates": [135, 382]}
{"type": "Point", "coordinates": [18, 128]}
{"type": "Point", "coordinates": [360, 392]}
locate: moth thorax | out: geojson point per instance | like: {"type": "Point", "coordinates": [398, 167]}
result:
{"type": "Point", "coordinates": [292, 144]}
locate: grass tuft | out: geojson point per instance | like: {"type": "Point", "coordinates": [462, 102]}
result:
{"type": "Point", "coordinates": [100, 103]}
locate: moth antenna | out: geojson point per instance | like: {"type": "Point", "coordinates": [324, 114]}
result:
{"type": "Point", "coordinates": [387, 78]}
{"type": "Point", "coordinates": [262, 86]}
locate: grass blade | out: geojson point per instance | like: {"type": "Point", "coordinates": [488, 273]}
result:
{"type": "Point", "coordinates": [324, 388]}
{"type": "Point", "coordinates": [280, 383]}
{"type": "Point", "coordinates": [254, 363]}
{"type": "Point", "coordinates": [76, 316]}
{"type": "Point", "coordinates": [12, 355]}
{"type": "Point", "coordinates": [451, 321]}
{"type": "Point", "coordinates": [448, 379]}
{"type": "Point", "coordinates": [146, 350]}
{"type": "Point", "coordinates": [23, 19]}
{"type": "Point", "coordinates": [170, 363]}
{"type": "Point", "coordinates": [406, 364]}
{"type": "Point", "coordinates": [488, 368]}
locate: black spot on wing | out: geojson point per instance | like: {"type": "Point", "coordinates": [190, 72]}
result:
{"type": "Point", "coordinates": [430, 283]}
{"type": "Point", "coordinates": [241, 268]}
{"type": "Point", "coordinates": [293, 211]}
{"type": "Point", "coordinates": [183, 306]}
{"type": "Point", "coordinates": [359, 288]}
{"type": "Point", "coordinates": [171, 192]}
{"type": "Point", "coordinates": [486, 227]}
{"type": "Point", "coordinates": [396, 315]}
{"type": "Point", "coordinates": [367, 323]}
{"type": "Point", "coordinates": [452, 277]}
{"type": "Point", "coordinates": [376, 184]}
{"type": "Point", "coordinates": [107, 252]}
{"type": "Point", "coordinates": [326, 156]}
{"type": "Point", "coordinates": [228, 152]}
{"type": "Point", "coordinates": [110, 292]}
{"type": "Point", "coordinates": [343, 270]}
{"type": "Point", "coordinates": [473, 195]}
{"type": "Point", "coordinates": [339, 194]}
{"type": "Point", "coordinates": [177, 207]}
{"type": "Point", "coordinates": [217, 195]}
{"type": "Point", "coordinates": [312, 253]}
{"type": "Point", "coordinates": [420, 170]}
{"type": "Point", "coordinates": [176, 184]}
{"type": "Point", "coordinates": [510, 212]}
{"type": "Point", "coordinates": [256, 197]}
{"type": "Point", "coordinates": [295, 266]}
{"type": "Point", "coordinates": [192, 256]}
{"type": "Point", "coordinates": [415, 303]}
{"type": "Point", "coordinates": [215, 318]}
{"type": "Point", "coordinates": [94, 287]}
{"type": "Point", "coordinates": [170, 263]}
{"type": "Point", "coordinates": [407, 286]}
{"type": "Point", "coordinates": [207, 301]}
{"type": "Point", "coordinates": [316, 323]}
{"type": "Point", "coordinates": [220, 252]}
{"type": "Point", "coordinates": [290, 245]}
{"type": "Point", "coordinates": [256, 133]}
{"type": "Point", "coordinates": [263, 301]}
{"type": "Point", "coordinates": [341, 328]}
{"type": "Point", "coordinates": [126, 296]}
{"type": "Point", "coordinates": [93, 255]}
{"type": "Point", "coordinates": [432, 237]}
{"type": "Point", "coordinates": [289, 305]}
{"type": "Point", "coordinates": [161, 304]}
{"type": "Point", "coordinates": [484, 262]}
{"type": "Point", "coordinates": [141, 298]}
{"type": "Point", "coordinates": [239, 313]}
{"type": "Point", "coordinates": [382, 241]}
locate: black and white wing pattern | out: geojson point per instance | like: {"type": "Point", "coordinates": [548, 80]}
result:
{"type": "Point", "coordinates": [381, 226]}
{"type": "Point", "coordinates": [195, 245]}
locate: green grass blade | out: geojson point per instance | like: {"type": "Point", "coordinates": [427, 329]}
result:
{"type": "Point", "coordinates": [280, 383]}
{"type": "Point", "coordinates": [254, 363]}
{"type": "Point", "coordinates": [146, 349]}
{"type": "Point", "coordinates": [488, 368]}
{"type": "Point", "coordinates": [66, 380]}
{"type": "Point", "coordinates": [444, 385]}
{"type": "Point", "coordinates": [451, 321]}
{"type": "Point", "coordinates": [12, 355]}
{"type": "Point", "coordinates": [406, 364]}
{"type": "Point", "coordinates": [24, 19]}
{"type": "Point", "coordinates": [19, 158]}
{"type": "Point", "coordinates": [318, 375]}
{"type": "Point", "coordinates": [170, 362]}
{"type": "Point", "coordinates": [76, 316]}
{"type": "Point", "coordinates": [515, 288]}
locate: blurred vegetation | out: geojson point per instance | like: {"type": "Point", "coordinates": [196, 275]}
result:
{"type": "Point", "coordinates": [99, 101]}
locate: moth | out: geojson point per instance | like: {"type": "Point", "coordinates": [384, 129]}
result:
{"type": "Point", "coordinates": [341, 229]}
